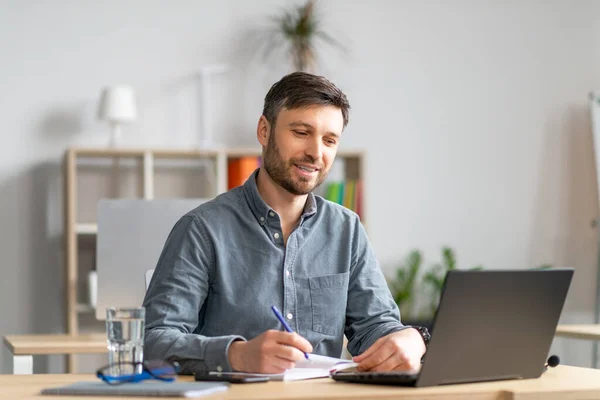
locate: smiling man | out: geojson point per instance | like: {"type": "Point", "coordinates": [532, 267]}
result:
{"type": "Point", "coordinates": [273, 242]}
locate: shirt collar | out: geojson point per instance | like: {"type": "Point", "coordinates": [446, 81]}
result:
{"type": "Point", "coordinates": [261, 210]}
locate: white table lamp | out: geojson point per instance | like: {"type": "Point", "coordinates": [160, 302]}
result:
{"type": "Point", "coordinates": [117, 105]}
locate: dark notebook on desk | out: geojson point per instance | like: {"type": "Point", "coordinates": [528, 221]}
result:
{"type": "Point", "coordinates": [145, 389]}
{"type": "Point", "coordinates": [490, 325]}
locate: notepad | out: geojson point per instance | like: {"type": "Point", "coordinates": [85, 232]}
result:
{"type": "Point", "coordinates": [146, 389]}
{"type": "Point", "coordinates": [315, 367]}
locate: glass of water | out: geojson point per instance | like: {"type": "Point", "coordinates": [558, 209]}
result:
{"type": "Point", "coordinates": [125, 339]}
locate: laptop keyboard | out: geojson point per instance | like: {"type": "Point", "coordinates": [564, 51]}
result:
{"type": "Point", "coordinates": [380, 378]}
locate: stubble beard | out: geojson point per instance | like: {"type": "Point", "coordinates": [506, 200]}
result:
{"type": "Point", "coordinates": [280, 171]}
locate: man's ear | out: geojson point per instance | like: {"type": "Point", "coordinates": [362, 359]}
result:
{"type": "Point", "coordinates": [263, 130]}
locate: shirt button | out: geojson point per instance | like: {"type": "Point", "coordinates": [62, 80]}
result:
{"type": "Point", "coordinates": [287, 272]}
{"type": "Point", "coordinates": [271, 213]}
{"type": "Point", "coordinates": [262, 219]}
{"type": "Point", "coordinates": [276, 235]}
{"type": "Point", "coordinates": [289, 316]}
{"type": "Point", "coordinates": [219, 368]}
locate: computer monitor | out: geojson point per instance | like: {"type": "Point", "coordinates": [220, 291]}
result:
{"type": "Point", "coordinates": [131, 236]}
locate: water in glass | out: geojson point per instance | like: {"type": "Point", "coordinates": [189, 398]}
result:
{"type": "Point", "coordinates": [125, 338]}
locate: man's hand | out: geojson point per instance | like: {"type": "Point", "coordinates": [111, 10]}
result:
{"type": "Point", "coordinates": [272, 352]}
{"type": "Point", "coordinates": [398, 351]}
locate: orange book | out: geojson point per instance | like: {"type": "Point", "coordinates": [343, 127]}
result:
{"type": "Point", "coordinates": [358, 198]}
{"type": "Point", "coordinates": [239, 169]}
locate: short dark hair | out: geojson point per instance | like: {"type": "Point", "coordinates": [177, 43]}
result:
{"type": "Point", "coordinates": [301, 89]}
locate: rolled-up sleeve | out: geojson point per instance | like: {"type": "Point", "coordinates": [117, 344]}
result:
{"type": "Point", "coordinates": [371, 312]}
{"type": "Point", "coordinates": [174, 300]}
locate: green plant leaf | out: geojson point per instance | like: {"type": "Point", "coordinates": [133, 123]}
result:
{"type": "Point", "coordinates": [330, 40]}
{"type": "Point", "coordinates": [448, 258]}
{"type": "Point", "coordinates": [434, 280]}
{"type": "Point", "coordinates": [434, 277]}
{"type": "Point", "coordinates": [403, 286]}
{"type": "Point", "coordinates": [400, 275]}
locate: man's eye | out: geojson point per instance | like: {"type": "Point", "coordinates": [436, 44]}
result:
{"type": "Point", "coordinates": [330, 142]}
{"type": "Point", "coordinates": [300, 133]}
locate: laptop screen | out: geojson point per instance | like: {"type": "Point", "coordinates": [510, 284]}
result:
{"type": "Point", "coordinates": [493, 325]}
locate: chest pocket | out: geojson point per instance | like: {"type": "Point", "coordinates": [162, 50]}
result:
{"type": "Point", "coordinates": [328, 296]}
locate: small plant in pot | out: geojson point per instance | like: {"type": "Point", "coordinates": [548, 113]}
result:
{"type": "Point", "coordinates": [300, 31]}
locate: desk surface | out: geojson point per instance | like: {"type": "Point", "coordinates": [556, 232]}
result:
{"type": "Point", "coordinates": [56, 344]}
{"type": "Point", "coordinates": [558, 383]}
{"type": "Point", "coordinates": [590, 331]}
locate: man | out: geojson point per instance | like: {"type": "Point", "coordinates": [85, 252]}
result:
{"type": "Point", "coordinates": [273, 242]}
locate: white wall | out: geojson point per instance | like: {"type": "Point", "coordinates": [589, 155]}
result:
{"type": "Point", "coordinates": [473, 114]}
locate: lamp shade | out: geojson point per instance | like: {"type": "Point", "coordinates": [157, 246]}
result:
{"type": "Point", "coordinates": [117, 104]}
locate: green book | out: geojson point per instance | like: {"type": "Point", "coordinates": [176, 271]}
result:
{"type": "Point", "coordinates": [334, 194]}
{"type": "Point", "coordinates": [340, 199]}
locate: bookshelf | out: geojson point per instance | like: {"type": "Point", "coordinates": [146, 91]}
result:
{"type": "Point", "coordinates": [149, 173]}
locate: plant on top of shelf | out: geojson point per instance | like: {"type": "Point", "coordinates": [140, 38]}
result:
{"type": "Point", "coordinates": [300, 29]}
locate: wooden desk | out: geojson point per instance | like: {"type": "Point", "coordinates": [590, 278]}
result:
{"type": "Point", "coordinates": [590, 332]}
{"type": "Point", "coordinates": [24, 347]}
{"type": "Point", "coordinates": [558, 383]}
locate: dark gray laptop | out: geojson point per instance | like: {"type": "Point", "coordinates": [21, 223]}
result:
{"type": "Point", "coordinates": [490, 325]}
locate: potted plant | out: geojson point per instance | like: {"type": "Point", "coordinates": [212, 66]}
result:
{"type": "Point", "coordinates": [299, 29]}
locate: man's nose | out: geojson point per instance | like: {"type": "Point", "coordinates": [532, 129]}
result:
{"type": "Point", "coordinates": [315, 150]}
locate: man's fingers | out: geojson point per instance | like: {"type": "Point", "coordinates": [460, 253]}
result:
{"type": "Point", "coordinates": [276, 365]}
{"type": "Point", "coordinates": [393, 363]}
{"type": "Point", "coordinates": [289, 353]}
{"type": "Point", "coordinates": [284, 363]}
{"type": "Point", "coordinates": [374, 359]}
{"type": "Point", "coordinates": [294, 340]}
{"type": "Point", "coordinates": [389, 358]}
{"type": "Point", "coordinates": [371, 350]}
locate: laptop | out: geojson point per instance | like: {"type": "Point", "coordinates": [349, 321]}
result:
{"type": "Point", "coordinates": [489, 325]}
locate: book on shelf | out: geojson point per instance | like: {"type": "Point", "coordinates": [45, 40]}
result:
{"type": "Point", "coordinates": [240, 169]}
{"type": "Point", "coordinates": [347, 193]}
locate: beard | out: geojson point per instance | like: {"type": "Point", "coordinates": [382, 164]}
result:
{"type": "Point", "coordinates": [280, 170]}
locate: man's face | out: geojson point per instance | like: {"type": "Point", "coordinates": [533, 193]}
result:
{"type": "Point", "coordinates": [301, 149]}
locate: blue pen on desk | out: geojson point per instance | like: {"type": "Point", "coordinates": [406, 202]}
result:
{"type": "Point", "coordinates": [285, 324]}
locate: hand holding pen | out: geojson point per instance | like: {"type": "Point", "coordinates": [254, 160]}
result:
{"type": "Point", "coordinates": [271, 352]}
{"type": "Point", "coordinates": [285, 324]}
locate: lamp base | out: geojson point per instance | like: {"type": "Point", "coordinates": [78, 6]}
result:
{"type": "Point", "coordinates": [116, 135]}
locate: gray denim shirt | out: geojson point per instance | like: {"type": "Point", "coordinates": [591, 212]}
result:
{"type": "Point", "coordinates": [224, 265]}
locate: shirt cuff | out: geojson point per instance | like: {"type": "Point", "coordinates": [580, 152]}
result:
{"type": "Point", "coordinates": [215, 356]}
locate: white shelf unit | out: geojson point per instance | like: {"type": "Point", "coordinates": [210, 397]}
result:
{"type": "Point", "coordinates": [142, 167]}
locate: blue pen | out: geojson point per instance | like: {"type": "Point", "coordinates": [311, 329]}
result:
{"type": "Point", "coordinates": [285, 324]}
